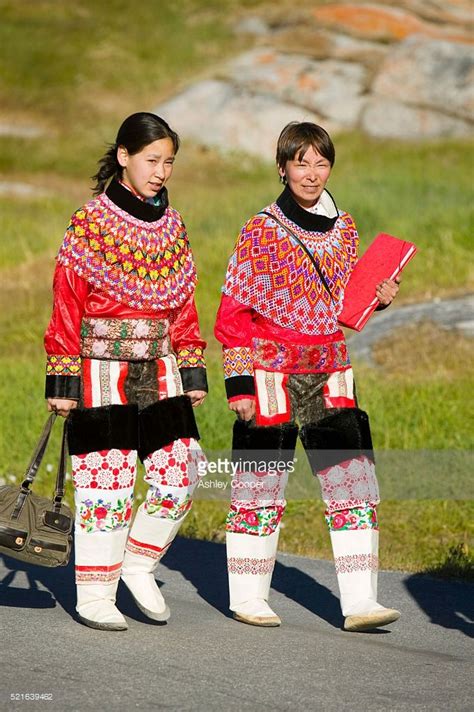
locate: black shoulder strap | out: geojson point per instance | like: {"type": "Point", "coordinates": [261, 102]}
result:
{"type": "Point", "coordinates": [35, 463]}
{"type": "Point", "coordinates": [308, 252]}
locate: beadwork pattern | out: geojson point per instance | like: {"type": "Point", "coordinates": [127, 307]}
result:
{"type": "Point", "coordinates": [148, 266]}
{"type": "Point", "coordinates": [269, 272]}
{"type": "Point", "coordinates": [191, 357]}
{"type": "Point", "coordinates": [238, 361]}
{"type": "Point", "coordinates": [62, 365]}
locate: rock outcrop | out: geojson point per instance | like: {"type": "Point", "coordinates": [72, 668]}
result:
{"type": "Point", "coordinates": [398, 70]}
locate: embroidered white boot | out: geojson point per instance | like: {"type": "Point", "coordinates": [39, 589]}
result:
{"type": "Point", "coordinates": [149, 539]}
{"type": "Point", "coordinates": [250, 563]}
{"type": "Point", "coordinates": [98, 560]}
{"type": "Point", "coordinates": [356, 560]}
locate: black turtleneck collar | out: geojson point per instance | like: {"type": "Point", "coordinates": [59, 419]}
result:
{"type": "Point", "coordinates": [124, 199]}
{"type": "Point", "coordinates": [303, 218]}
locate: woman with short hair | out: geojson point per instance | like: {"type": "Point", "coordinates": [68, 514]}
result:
{"type": "Point", "coordinates": [287, 371]}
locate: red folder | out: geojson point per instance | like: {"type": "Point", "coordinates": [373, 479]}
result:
{"type": "Point", "coordinates": [384, 259]}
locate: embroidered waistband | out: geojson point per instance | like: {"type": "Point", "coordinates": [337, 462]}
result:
{"type": "Point", "coordinates": [125, 339]}
{"type": "Point", "coordinates": [300, 358]}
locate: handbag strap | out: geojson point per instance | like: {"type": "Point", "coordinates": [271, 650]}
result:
{"type": "Point", "coordinates": [38, 454]}
{"type": "Point", "coordinates": [33, 467]}
{"type": "Point", "coordinates": [61, 474]}
{"type": "Point", "coordinates": [308, 252]}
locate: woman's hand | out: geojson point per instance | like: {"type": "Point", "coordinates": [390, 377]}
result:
{"type": "Point", "coordinates": [245, 408]}
{"type": "Point", "coordinates": [61, 406]}
{"type": "Point", "coordinates": [197, 397]}
{"type": "Point", "coordinates": [387, 290]}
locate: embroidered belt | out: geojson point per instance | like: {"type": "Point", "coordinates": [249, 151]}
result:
{"type": "Point", "coordinates": [125, 339]}
{"type": "Point", "coordinates": [300, 358]}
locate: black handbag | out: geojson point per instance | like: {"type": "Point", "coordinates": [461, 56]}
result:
{"type": "Point", "coordinates": [32, 528]}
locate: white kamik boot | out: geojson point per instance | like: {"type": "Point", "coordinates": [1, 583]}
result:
{"type": "Point", "coordinates": [98, 561]}
{"type": "Point", "coordinates": [250, 563]}
{"type": "Point", "coordinates": [149, 539]}
{"type": "Point", "coordinates": [356, 560]}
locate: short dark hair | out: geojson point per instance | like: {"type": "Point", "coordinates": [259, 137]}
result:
{"type": "Point", "coordinates": [296, 138]}
{"type": "Point", "coordinates": [136, 132]}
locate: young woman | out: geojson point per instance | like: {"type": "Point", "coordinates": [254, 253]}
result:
{"type": "Point", "coordinates": [125, 365]}
{"type": "Point", "coordinates": [286, 362]}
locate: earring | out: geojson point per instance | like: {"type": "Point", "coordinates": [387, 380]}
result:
{"type": "Point", "coordinates": [283, 179]}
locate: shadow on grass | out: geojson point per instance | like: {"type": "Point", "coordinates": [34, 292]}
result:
{"type": "Point", "coordinates": [458, 564]}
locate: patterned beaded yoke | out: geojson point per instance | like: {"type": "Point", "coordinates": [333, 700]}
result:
{"type": "Point", "coordinates": [145, 265]}
{"type": "Point", "coordinates": [271, 273]}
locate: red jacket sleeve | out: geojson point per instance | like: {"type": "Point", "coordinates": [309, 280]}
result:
{"type": "Point", "coordinates": [235, 329]}
{"type": "Point", "coordinates": [188, 345]}
{"type": "Point", "coordinates": [62, 337]}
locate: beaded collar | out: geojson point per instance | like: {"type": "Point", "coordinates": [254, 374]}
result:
{"type": "Point", "coordinates": [271, 274]}
{"type": "Point", "coordinates": [137, 254]}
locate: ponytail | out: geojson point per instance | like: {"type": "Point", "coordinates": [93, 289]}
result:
{"type": "Point", "coordinates": [109, 167]}
{"type": "Point", "coordinates": [136, 132]}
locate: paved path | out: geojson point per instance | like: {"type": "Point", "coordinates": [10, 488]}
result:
{"type": "Point", "coordinates": [203, 660]}
{"type": "Point", "coordinates": [449, 313]}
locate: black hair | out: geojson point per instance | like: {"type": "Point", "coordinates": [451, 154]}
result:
{"type": "Point", "coordinates": [296, 138]}
{"type": "Point", "coordinates": [136, 132]}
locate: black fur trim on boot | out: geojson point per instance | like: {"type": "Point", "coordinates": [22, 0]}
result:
{"type": "Point", "coordinates": [103, 428]}
{"type": "Point", "coordinates": [337, 438]}
{"type": "Point", "coordinates": [164, 421]}
{"type": "Point", "coordinates": [267, 443]}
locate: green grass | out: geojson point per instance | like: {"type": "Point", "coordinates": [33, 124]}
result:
{"type": "Point", "coordinates": [29, 228]}
{"type": "Point", "coordinates": [77, 70]}
{"type": "Point", "coordinates": [421, 193]}
{"type": "Point", "coordinates": [78, 61]}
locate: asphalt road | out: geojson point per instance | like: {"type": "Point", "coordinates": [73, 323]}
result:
{"type": "Point", "coordinates": [203, 660]}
